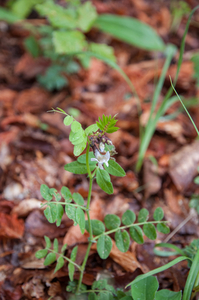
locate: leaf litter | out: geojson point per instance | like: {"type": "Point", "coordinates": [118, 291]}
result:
{"type": "Point", "coordinates": [34, 149]}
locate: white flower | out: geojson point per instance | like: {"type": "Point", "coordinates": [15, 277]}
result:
{"type": "Point", "coordinates": [101, 158]}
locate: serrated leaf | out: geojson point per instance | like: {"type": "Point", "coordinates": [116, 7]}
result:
{"type": "Point", "coordinates": [136, 234]}
{"type": "Point", "coordinates": [143, 215]}
{"type": "Point", "coordinates": [76, 126]}
{"type": "Point", "coordinates": [45, 192]}
{"type": "Point", "coordinates": [112, 221]}
{"type": "Point", "coordinates": [71, 213]}
{"type": "Point", "coordinates": [60, 264]}
{"type": "Point", "coordinates": [161, 227]}
{"type": "Point", "coordinates": [122, 240]}
{"type": "Point", "coordinates": [80, 218]}
{"type": "Point", "coordinates": [78, 149]}
{"type": "Point", "coordinates": [71, 267]}
{"type": "Point", "coordinates": [128, 217]}
{"type": "Point", "coordinates": [66, 194]}
{"type": "Point", "coordinates": [150, 231]}
{"type": "Point", "coordinates": [50, 258]}
{"type": "Point", "coordinates": [48, 242]}
{"type": "Point", "coordinates": [56, 245]}
{"type": "Point", "coordinates": [90, 129]}
{"type": "Point", "coordinates": [158, 214]}
{"type": "Point", "coordinates": [68, 120]}
{"type": "Point", "coordinates": [168, 295]}
{"type": "Point", "coordinates": [41, 253]}
{"type": "Point", "coordinates": [57, 15]}
{"type": "Point", "coordinates": [51, 212]}
{"type": "Point", "coordinates": [145, 289]}
{"type": "Point", "coordinates": [114, 169]}
{"type": "Point", "coordinates": [103, 180]}
{"type": "Point", "coordinates": [97, 227]}
{"type": "Point", "coordinates": [78, 198]}
{"type": "Point", "coordinates": [104, 246]}
{"type": "Point", "coordinates": [66, 42]}
{"type": "Point", "coordinates": [76, 168]}
{"type": "Point", "coordinates": [103, 50]}
{"type": "Point", "coordinates": [82, 159]}
{"type": "Point", "coordinates": [86, 16]}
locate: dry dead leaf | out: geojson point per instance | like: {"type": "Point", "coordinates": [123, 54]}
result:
{"type": "Point", "coordinates": [11, 227]}
{"type": "Point", "coordinates": [183, 165]}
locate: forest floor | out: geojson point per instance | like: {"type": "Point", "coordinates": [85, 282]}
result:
{"type": "Point", "coordinates": [34, 148]}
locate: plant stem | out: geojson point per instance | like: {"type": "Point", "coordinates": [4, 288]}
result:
{"type": "Point", "coordinates": [89, 222]}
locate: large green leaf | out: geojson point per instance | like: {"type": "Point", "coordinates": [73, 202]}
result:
{"type": "Point", "coordinates": [8, 16]}
{"type": "Point", "coordinates": [128, 217]}
{"type": "Point", "coordinates": [66, 42]}
{"type": "Point", "coordinates": [22, 8]}
{"type": "Point", "coordinates": [168, 295]}
{"type": "Point", "coordinates": [136, 234]}
{"type": "Point", "coordinates": [104, 246]}
{"type": "Point", "coordinates": [50, 258]}
{"type": "Point", "coordinates": [76, 168]}
{"type": "Point", "coordinates": [145, 289]}
{"type": "Point", "coordinates": [150, 231]}
{"type": "Point", "coordinates": [130, 30]}
{"type": "Point", "coordinates": [82, 158]}
{"type": "Point", "coordinates": [104, 181]}
{"type": "Point", "coordinates": [114, 169]}
{"type": "Point", "coordinates": [79, 148]}
{"type": "Point", "coordinates": [86, 16]}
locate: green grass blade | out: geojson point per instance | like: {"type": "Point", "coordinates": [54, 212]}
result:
{"type": "Point", "coordinates": [185, 108]}
{"type": "Point", "coordinates": [167, 245]}
{"type": "Point", "coordinates": [160, 269]}
{"type": "Point", "coordinates": [193, 273]}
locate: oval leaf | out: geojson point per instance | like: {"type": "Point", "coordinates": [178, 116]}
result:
{"type": "Point", "coordinates": [114, 169]}
{"type": "Point", "coordinates": [145, 289]}
{"type": "Point", "coordinates": [103, 180]}
{"type": "Point", "coordinates": [51, 212]}
{"type": "Point", "coordinates": [78, 198]}
{"type": "Point", "coordinates": [90, 129]}
{"type": "Point", "coordinates": [41, 253]}
{"type": "Point", "coordinates": [78, 149]}
{"type": "Point", "coordinates": [77, 168]}
{"type": "Point", "coordinates": [112, 221]}
{"type": "Point", "coordinates": [48, 242]}
{"type": "Point", "coordinates": [60, 212]}
{"type": "Point", "coordinates": [71, 267]}
{"type": "Point", "coordinates": [104, 246]}
{"type": "Point", "coordinates": [128, 217]}
{"type": "Point", "coordinates": [158, 214]}
{"type": "Point", "coordinates": [136, 234]}
{"type": "Point", "coordinates": [161, 227]}
{"type": "Point", "coordinates": [77, 137]}
{"type": "Point", "coordinates": [76, 126]}
{"type": "Point", "coordinates": [143, 215]}
{"type": "Point", "coordinates": [68, 120]}
{"type": "Point", "coordinates": [50, 258]}
{"type": "Point", "coordinates": [122, 240]}
{"type": "Point", "coordinates": [66, 194]}
{"type": "Point", "coordinates": [80, 218]}
{"type": "Point", "coordinates": [56, 245]}
{"type": "Point", "coordinates": [60, 264]}
{"type": "Point", "coordinates": [150, 231]}
{"type": "Point", "coordinates": [97, 227]}
{"type": "Point", "coordinates": [71, 212]}
{"type": "Point", "coordinates": [45, 192]}
{"type": "Point", "coordinates": [82, 159]}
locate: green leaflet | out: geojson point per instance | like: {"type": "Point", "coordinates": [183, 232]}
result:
{"type": "Point", "coordinates": [104, 246]}
{"type": "Point", "coordinates": [114, 169]}
{"type": "Point", "coordinates": [104, 181]}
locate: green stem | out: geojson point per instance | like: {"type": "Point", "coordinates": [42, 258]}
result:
{"type": "Point", "coordinates": [66, 258]}
{"type": "Point", "coordinates": [127, 226]}
{"type": "Point", "coordinates": [89, 221]}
